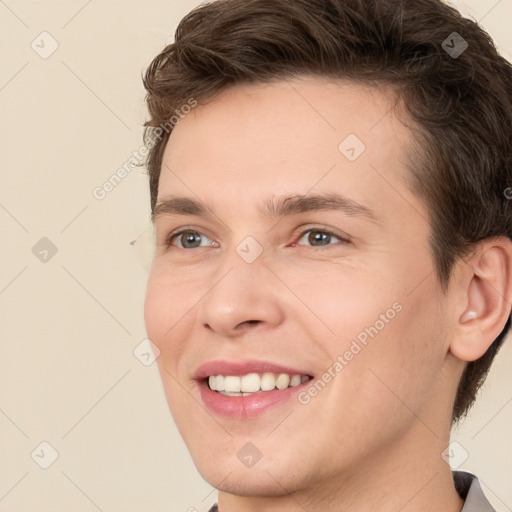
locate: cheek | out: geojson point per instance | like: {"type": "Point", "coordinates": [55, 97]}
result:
{"type": "Point", "coordinates": [401, 359]}
{"type": "Point", "coordinates": [155, 306]}
{"type": "Point", "coordinates": [161, 314]}
{"type": "Point", "coordinates": [162, 311]}
{"type": "Point", "coordinates": [390, 340]}
{"type": "Point", "coordinates": [348, 299]}
{"type": "Point", "coordinates": [170, 306]}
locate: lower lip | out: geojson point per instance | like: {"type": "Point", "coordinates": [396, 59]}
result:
{"type": "Point", "coordinates": [246, 406]}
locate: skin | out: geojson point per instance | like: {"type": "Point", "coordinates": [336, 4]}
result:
{"type": "Point", "coordinates": [372, 438]}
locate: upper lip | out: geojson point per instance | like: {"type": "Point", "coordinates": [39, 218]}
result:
{"type": "Point", "coordinates": [239, 368]}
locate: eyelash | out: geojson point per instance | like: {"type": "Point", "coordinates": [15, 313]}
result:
{"type": "Point", "coordinates": [170, 238]}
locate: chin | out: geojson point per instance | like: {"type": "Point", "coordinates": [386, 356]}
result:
{"type": "Point", "coordinates": [256, 485]}
{"type": "Point", "coordinates": [261, 480]}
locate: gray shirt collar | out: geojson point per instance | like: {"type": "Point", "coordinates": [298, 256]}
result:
{"type": "Point", "coordinates": [469, 489]}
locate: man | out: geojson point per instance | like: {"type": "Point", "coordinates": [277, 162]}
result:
{"type": "Point", "coordinates": [332, 277]}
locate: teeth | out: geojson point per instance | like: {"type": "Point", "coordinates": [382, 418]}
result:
{"type": "Point", "coordinates": [268, 382]}
{"type": "Point", "coordinates": [250, 383]}
{"type": "Point", "coordinates": [232, 393]}
{"type": "Point", "coordinates": [295, 380]}
{"type": "Point", "coordinates": [219, 382]}
{"type": "Point", "coordinates": [231, 385]}
{"type": "Point", "coordinates": [283, 381]}
{"type": "Point", "coordinates": [227, 393]}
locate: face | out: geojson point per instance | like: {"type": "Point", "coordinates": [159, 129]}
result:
{"type": "Point", "coordinates": [342, 292]}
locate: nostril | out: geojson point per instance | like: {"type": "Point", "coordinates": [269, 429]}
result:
{"type": "Point", "coordinates": [246, 323]}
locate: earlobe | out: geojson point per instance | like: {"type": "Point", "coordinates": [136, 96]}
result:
{"type": "Point", "coordinates": [487, 300]}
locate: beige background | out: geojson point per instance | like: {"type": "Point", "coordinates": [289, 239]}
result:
{"type": "Point", "coordinates": [69, 326]}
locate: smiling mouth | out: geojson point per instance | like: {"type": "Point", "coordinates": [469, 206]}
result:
{"type": "Point", "coordinates": [253, 383]}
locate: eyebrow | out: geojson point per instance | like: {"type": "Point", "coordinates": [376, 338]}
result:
{"type": "Point", "coordinates": [276, 207]}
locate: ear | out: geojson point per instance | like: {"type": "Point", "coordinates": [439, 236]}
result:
{"type": "Point", "coordinates": [487, 296]}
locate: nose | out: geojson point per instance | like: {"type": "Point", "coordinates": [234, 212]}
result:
{"type": "Point", "coordinates": [241, 297]}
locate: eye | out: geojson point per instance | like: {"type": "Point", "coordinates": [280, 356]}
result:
{"type": "Point", "coordinates": [320, 237]}
{"type": "Point", "coordinates": [189, 239]}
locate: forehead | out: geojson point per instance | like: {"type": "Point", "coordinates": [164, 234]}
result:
{"type": "Point", "coordinates": [290, 136]}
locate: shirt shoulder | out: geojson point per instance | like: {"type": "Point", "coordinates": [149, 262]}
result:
{"type": "Point", "coordinates": [469, 489]}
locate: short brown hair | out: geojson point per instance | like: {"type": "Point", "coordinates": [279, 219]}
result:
{"type": "Point", "coordinates": [462, 103]}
